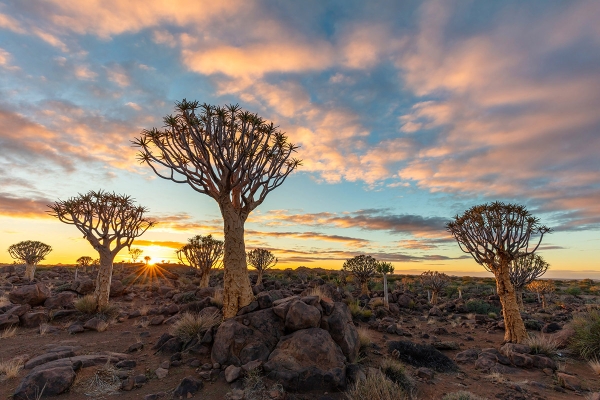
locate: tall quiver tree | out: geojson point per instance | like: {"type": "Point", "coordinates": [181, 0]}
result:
{"type": "Point", "coordinates": [110, 222]}
{"type": "Point", "coordinates": [261, 260]}
{"type": "Point", "coordinates": [524, 270]}
{"type": "Point", "coordinates": [435, 282]}
{"type": "Point", "coordinates": [201, 253]}
{"type": "Point", "coordinates": [31, 252]}
{"type": "Point", "coordinates": [363, 268]}
{"type": "Point", "coordinates": [495, 234]}
{"type": "Point", "coordinates": [385, 268]}
{"type": "Point", "coordinates": [231, 155]}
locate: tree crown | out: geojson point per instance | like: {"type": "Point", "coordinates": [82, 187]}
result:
{"type": "Point", "coordinates": [29, 251]}
{"type": "Point", "coordinates": [261, 259]}
{"type": "Point", "coordinates": [385, 267]}
{"type": "Point", "coordinates": [363, 267]}
{"type": "Point", "coordinates": [201, 252]}
{"type": "Point", "coordinates": [434, 280]}
{"type": "Point", "coordinates": [84, 261]}
{"type": "Point", "coordinates": [525, 269]}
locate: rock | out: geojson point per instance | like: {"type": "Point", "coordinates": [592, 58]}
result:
{"type": "Point", "coordinates": [173, 345]}
{"type": "Point", "coordinates": [29, 294]}
{"type": "Point", "coordinates": [404, 301]}
{"type": "Point", "coordinates": [75, 327]}
{"type": "Point", "coordinates": [327, 305]}
{"type": "Point", "coordinates": [47, 357]}
{"type": "Point", "coordinates": [157, 320]}
{"type": "Point", "coordinates": [446, 345]}
{"type": "Point", "coordinates": [63, 299]}
{"type": "Point", "coordinates": [161, 373]}
{"type": "Point", "coordinates": [126, 364]}
{"type": "Point", "coordinates": [53, 381]}
{"type": "Point", "coordinates": [502, 359]}
{"type": "Point", "coordinates": [521, 360]}
{"type": "Point", "coordinates": [355, 373]}
{"type": "Point", "coordinates": [252, 365]}
{"type": "Point", "coordinates": [188, 387]}
{"type": "Point", "coordinates": [236, 394]}
{"type": "Point", "coordinates": [301, 316]}
{"type": "Point", "coordinates": [569, 381]}
{"type": "Point", "coordinates": [425, 373]}
{"type": "Point", "coordinates": [485, 361]}
{"type": "Point", "coordinates": [249, 308]}
{"type": "Point", "coordinates": [419, 355]}
{"type": "Point", "coordinates": [436, 312]}
{"type": "Point", "coordinates": [264, 300]}
{"type": "Point", "coordinates": [19, 310]}
{"type": "Point", "coordinates": [128, 384]}
{"type": "Point", "coordinates": [542, 362]}
{"type": "Point", "coordinates": [135, 347]}
{"type": "Point", "coordinates": [307, 359]}
{"type": "Point", "coordinates": [232, 373]}
{"type": "Point", "coordinates": [563, 337]}
{"type": "Point", "coordinates": [341, 328]}
{"type": "Point", "coordinates": [594, 396]}
{"type": "Point", "coordinates": [8, 320]}
{"type": "Point", "coordinates": [34, 319]}
{"type": "Point", "coordinates": [96, 324]}
{"type": "Point", "coordinates": [116, 288]}
{"type": "Point", "coordinates": [551, 327]}
{"type": "Point", "coordinates": [466, 356]}
{"type": "Point", "coordinates": [237, 344]}
{"type": "Point", "coordinates": [84, 286]}
{"type": "Point", "coordinates": [509, 348]}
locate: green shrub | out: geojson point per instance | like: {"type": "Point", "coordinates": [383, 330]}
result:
{"type": "Point", "coordinates": [481, 307]}
{"type": "Point", "coordinates": [586, 339]}
{"type": "Point", "coordinates": [533, 324]}
{"type": "Point", "coordinates": [573, 291]}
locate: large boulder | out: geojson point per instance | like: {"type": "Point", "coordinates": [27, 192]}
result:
{"type": "Point", "coordinates": [84, 286]}
{"type": "Point", "coordinates": [8, 320]}
{"type": "Point", "coordinates": [247, 338]}
{"type": "Point", "coordinates": [301, 316]}
{"type": "Point", "coordinates": [29, 294]}
{"type": "Point", "coordinates": [341, 328]}
{"type": "Point", "coordinates": [116, 288]}
{"type": "Point", "coordinates": [307, 359]}
{"type": "Point", "coordinates": [63, 299]}
{"type": "Point", "coordinates": [34, 319]}
{"type": "Point", "coordinates": [52, 381]}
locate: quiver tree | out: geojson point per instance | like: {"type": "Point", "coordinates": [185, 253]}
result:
{"type": "Point", "coordinates": [147, 259]}
{"type": "Point", "coordinates": [435, 282]}
{"type": "Point", "coordinates": [231, 155]}
{"type": "Point", "coordinates": [109, 222]}
{"type": "Point", "coordinates": [542, 288]}
{"type": "Point", "coordinates": [82, 262]}
{"type": "Point", "coordinates": [385, 268]}
{"type": "Point", "coordinates": [524, 270]}
{"type": "Point", "coordinates": [201, 253]}
{"type": "Point", "coordinates": [495, 235]}
{"type": "Point", "coordinates": [363, 268]}
{"type": "Point", "coordinates": [135, 254]}
{"type": "Point", "coordinates": [261, 260]}
{"type": "Point", "coordinates": [30, 252]}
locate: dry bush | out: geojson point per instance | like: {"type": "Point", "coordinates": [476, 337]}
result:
{"type": "Point", "coordinates": [44, 329]}
{"type": "Point", "coordinates": [144, 309]}
{"type": "Point", "coordinates": [542, 344]}
{"type": "Point", "coordinates": [8, 332]}
{"type": "Point", "coordinates": [364, 337]}
{"type": "Point", "coordinates": [191, 325]}
{"type": "Point", "coordinates": [462, 395]}
{"type": "Point", "coordinates": [496, 377]}
{"type": "Point", "coordinates": [255, 388]}
{"type": "Point", "coordinates": [10, 369]}
{"type": "Point", "coordinates": [376, 386]}
{"type": "Point", "coordinates": [595, 365]}
{"type": "Point", "coordinates": [318, 291]}
{"type": "Point", "coordinates": [143, 322]}
{"type": "Point", "coordinates": [376, 302]}
{"type": "Point", "coordinates": [103, 382]}
{"type": "Point", "coordinates": [86, 304]}
{"type": "Point", "coordinates": [396, 372]}
{"type": "Point", "coordinates": [4, 301]}
{"type": "Point", "coordinates": [586, 339]}
{"type": "Point", "coordinates": [217, 299]}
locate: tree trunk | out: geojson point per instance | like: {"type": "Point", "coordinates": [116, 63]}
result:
{"type": "Point", "coordinates": [364, 287]}
{"type": "Point", "coordinates": [514, 328]}
{"type": "Point", "coordinates": [386, 302]}
{"type": "Point", "coordinates": [519, 294]}
{"type": "Point", "coordinates": [259, 278]}
{"type": "Point", "coordinates": [237, 292]}
{"type": "Point", "coordinates": [428, 296]}
{"type": "Point", "coordinates": [459, 293]}
{"type": "Point", "coordinates": [543, 301]}
{"type": "Point", "coordinates": [76, 269]}
{"type": "Point", "coordinates": [204, 278]}
{"type": "Point", "coordinates": [29, 271]}
{"type": "Point", "coordinates": [103, 279]}
{"type": "Point", "coordinates": [434, 297]}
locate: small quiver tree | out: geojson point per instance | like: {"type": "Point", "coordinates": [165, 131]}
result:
{"type": "Point", "coordinates": [495, 234]}
{"type": "Point", "coordinates": [435, 282]}
{"type": "Point", "coordinates": [30, 252]}
{"type": "Point", "coordinates": [523, 271]}
{"type": "Point", "coordinates": [261, 260]}
{"type": "Point", "coordinates": [542, 288]}
{"type": "Point", "coordinates": [109, 222]}
{"type": "Point", "coordinates": [135, 254]}
{"type": "Point", "coordinates": [231, 155]}
{"type": "Point", "coordinates": [82, 262]}
{"type": "Point", "coordinates": [385, 268]}
{"type": "Point", "coordinates": [147, 259]}
{"type": "Point", "coordinates": [363, 268]}
{"type": "Point", "coordinates": [201, 253]}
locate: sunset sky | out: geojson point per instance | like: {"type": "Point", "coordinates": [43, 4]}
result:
{"type": "Point", "coordinates": [407, 113]}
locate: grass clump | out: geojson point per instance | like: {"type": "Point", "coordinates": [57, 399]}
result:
{"type": "Point", "coordinates": [359, 312]}
{"type": "Point", "coordinates": [481, 307]}
{"type": "Point", "coordinates": [10, 369]}
{"type": "Point", "coordinates": [376, 386]}
{"type": "Point", "coordinates": [595, 365]}
{"type": "Point", "coordinates": [462, 395]}
{"type": "Point", "coordinates": [542, 344]}
{"type": "Point", "coordinates": [255, 388]}
{"type": "Point", "coordinates": [217, 299]}
{"type": "Point", "coordinates": [88, 305]}
{"type": "Point", "coordinates": [192, 325]}
{"type": "Point", "coordinates": [4, 301]}
{"type": "Point", "coordinates": [8, 332]}
{"type": "Point", "coordinates": [586, 339]}
{"type": "Point", "coordinates": [364, 338]}
{"type": "Point", "coordinates": [396, 372]}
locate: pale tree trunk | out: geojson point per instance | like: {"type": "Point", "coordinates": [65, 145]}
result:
{"type": "Point", "coordinates": [29, 271]}
{"type": "Point", "coordinates": [544, 304]}
{"type": "Point", "coordinates": [386, 302]}
{"type": "Point", "coordinates": [428, 296]}
{"type": "Point", "coordinates": [237, 292]}
{"type": "Point", "coordinates": [76, 269]}
{"type": "Point", "coordinates": [259, 278]}
{"type": "Point", "coordinates": [204, 279]}
{"type": "Point", "coordinates": [364, 287]}
{"type": "Point", "coordinates": [514, 328]}
{"type": "Point", "coordinates": [459, 293]}
{"type": "Point", "coordinates": [103, 279]}
{"type": "Point", "coordinates": [434, 297]}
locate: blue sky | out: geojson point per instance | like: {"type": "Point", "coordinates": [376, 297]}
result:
{"type": "Point", "coordinates": [407, 113]}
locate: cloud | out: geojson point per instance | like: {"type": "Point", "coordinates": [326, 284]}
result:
{"type": "Point", "coordinates": [19, 207]}
{"type": "Point", "coordinates": [162, 243]}
{"type": "Point", "coordinates": [348, 241]}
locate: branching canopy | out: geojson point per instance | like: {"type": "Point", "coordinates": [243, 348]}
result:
{"type": "Point", "coordinates": [363, 267]}
{"type": "Point", "coordinates": [104, 217]}
{"type": "Point", "coordinates": [224, 152]}
{"type": "Point", "coordinates": [435, 281]}
{"type": "Point", "coordinates": [135, 254]}
{"type": "Point", "coordinates": [261, 259]}
{"type": "Point", "coordinates": [84, 261]}
{"type": "Point", "coordinates": [29, 251]}
{"type": "Point", "coordinates": [385, 267]}
{"type": "Point", "coordinates": [496, 232]}
{"type": "Point", "coordinates": [541, 286]}
{"type": "Point", "coordinates": [201, 252]}
{"type": "Point", "coordinates": [524, 270]}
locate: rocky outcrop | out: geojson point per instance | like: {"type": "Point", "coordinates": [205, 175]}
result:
{"type": "Point", "coordinates": [29, 294]}
{"type": "Point", "coordinates": [341, 328]}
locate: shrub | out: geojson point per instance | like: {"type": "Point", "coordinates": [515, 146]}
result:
{"type": "Point", "coordinates": [396, 372]}
{"type": "Point", "coordinates": [586, 339]}
{"type": "Point", "coordinates": [533, 324]}
{"type": "Point", "coordinates": [191, 325]}
{"type": "Point", "coordinates": [364, 338]}
{"type": "Point", "coordinates": [86, 304]}
{"type": "Point", "coordinates": [573, 291]}
{"type": "Point", "coordinates": [217, 299]}
{"type": "Point", "coordinates": [8, 332]}
{"type": "Point", "coordinates": [419, 355]}
{"type": "Point", "coordinates": [462, 395]}
{"type": "Point", "coordinates": [10, 369]}
{"type": "Point", "coordinates": [481, 307]}
{"type": "Point", "coordinates": [376, 387]}
{"type": "Point", "coordinates": [595, 365]}
{"type": "Point", "coordinates": [542, 344]}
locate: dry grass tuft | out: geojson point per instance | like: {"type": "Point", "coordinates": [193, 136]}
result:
{"type": "Point", "coordinates": [8, 332]}
{"type": "Point", "coordinates": [462, 395]}
{"type": "Point", "coordinates": [44, 329]}
{"type": "Point", "coordinates": [144, 309]}
{"type": "Point", "coordinates": [376, 386]}
{"type": "Point", "coordinates": [86, 304]}
{"type": "Point", "coordinates": [396, 372]}
{"type": "Point", "coordinates": [4, 301]}
{"type": "Point", "coordinates": [595, 365]}
{"type": "Point", "coordinates": [496, 377]}
{"type": "Point", "coordinates": [104, 382]}
{"type": "Point", "coordinates": [364, 337]}
{"type": "Point", "coordinates": [217, 299]}
{"type": "Point", "coordinates": [318, 291]}
{"type": "Point", "coordinates": [10, 369]}
{"type": "Point", "coordinates": [255, 388]}
{"type": "Point", "coordinates": [542, 344]}
{"type": "Point", "coordinates": [191, 325]}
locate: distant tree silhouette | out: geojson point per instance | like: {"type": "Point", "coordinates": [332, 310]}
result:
{"type": "Point", "coordinates": [135, 254]}
{"type": "Point", "coordinates": [106, 220]}
{"type": "Point", "coordinates": [363, 268]}
{"type": "Point", "coordinates": [542, 288]}
{"type": "Point", "coordinates": [524, 270]}
{"type": "Point", "coordinates": [436, 282]}
{"type": "Point", "coordinates": [495, 234]}
{"type": "Point", "coordinates": [30, 252]}
{"type": "Point", "coordinates": [261, 260]}
{"type": "Point", "coordinates": [231, 155]}
{"type": "Point", "coordinates": [147, 259]}
{"type": "Point", "coordinates": [201, 253]}
{"type": "Point", "coordinates": [82, 262]}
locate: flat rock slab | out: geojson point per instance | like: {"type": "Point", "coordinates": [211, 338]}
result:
{"type": "Point", "coordinates": [50, 381]}
{"type": "Point", "coordinates": [45, 358]}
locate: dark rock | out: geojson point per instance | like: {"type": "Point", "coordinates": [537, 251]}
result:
{"type": "Point", "coordinates": [327, 305]}
{"type": "Point", "coordinates": [355, 373]}
{"type": "Point", "coordinates": [96, 324]}
{"type": "Point", "coordinates": [29, 294]}
{"type": "Point", "coordinates": [34, 319]}
{"type": "Point", "coordinates": [264, 300]}
{"type": "Point", "coordinates": [172, 345]}
{"type": "Point", "coordinates": [232, 373]}
{"type": "Point", "coordinates": [63, 299]}
{"type": "Point", "coordinates": [521, 360]}
{"type": "Point", "coordinates": [509, 348]}
{"type": "Point", "coordinates": [19, 310]}
{"type": "Point", "coordinates": [341, 328]}
{"type": "Point", "coordinates": [58, 314]}
{"type": "Point", "coordinates": [425, 373]}
{"type": "Point", "coordinates": [446, 345]}
{"type": "Point", "coordinates": [187, 387]}
{"type": "Point", "coordinates": [249, 308]}
{"type": "Point", "coordinates": [436, 312]}
{"type": "Point", "coordinates": [116, 288]}
{"type": "Point", "coordinates": [157, 320]}
{"type": "Point", "coordinates": [542, 362]}
{"type": "Point", "coordinates": [126, 364]}
{"type": "Point", "coordinates": [307, 359]}
{"type": "Point", "coordinates": [466, 356]}
{"type": "Point", "coordinates": [164, 338]}
{"type": "Point", "coordinates": [569, 381]}
{"type": "Point", "coordinates": [551, 327]}
{"type": "Point", "coordinates": [84, 286]}
{"type": "Point", "coordinates": [75, 327]}
{"type": "Point", "coordinates": [419, 355]}
{"type": "Point", "coordinates": [301, 316]}
{"type": "Point", "coordinates": [52, 381]}
{"type": "Point", "coordinates": [404, 301]}
{"type": "Point", "coordinates": [486, 361]}
{"type": "Point", "coordinates": [47, 357]}
{"type": "Point", "coordinates": [8, 320]}
{"type": "Point", "coordinates": [135, 347]}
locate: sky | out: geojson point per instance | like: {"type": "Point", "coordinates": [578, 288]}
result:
{"type": "Point", "coordinates": [407, 113]}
